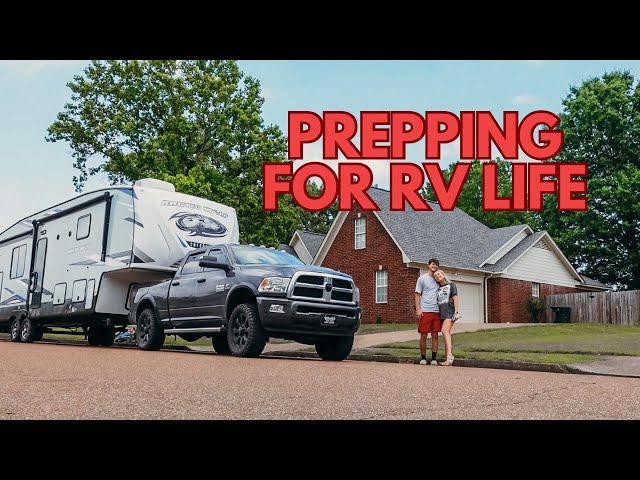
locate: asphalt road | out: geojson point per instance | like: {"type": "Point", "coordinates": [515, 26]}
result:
{"type": "Point", "coordinates": [46, 381]}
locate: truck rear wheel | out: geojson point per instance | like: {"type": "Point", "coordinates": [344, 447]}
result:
{"type": "Point", "coordinates": [335, 348]}
{"type": "Point", "coordinates": [220, 343]}
{"type": "Point", "coordinates": [15, 330]}
{"type": "Point", "coordinates": [245, 334]}
{"type": "Point", "coordinates": [149, 333]}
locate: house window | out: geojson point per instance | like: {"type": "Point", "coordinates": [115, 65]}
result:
{"type": "Point", "coordinates": [18, 259]}
{"type": "Point", "coordinates": [535, 289]}
{"type": "Point", "coordinates": [361, 231]}
{"type": "Point", "coordinates": [381, 286]}
{"type": "Point", "coordinates": [84, 227]}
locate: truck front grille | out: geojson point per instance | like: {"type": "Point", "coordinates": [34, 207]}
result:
{"type": "Point", "coordinates": [322, 287]}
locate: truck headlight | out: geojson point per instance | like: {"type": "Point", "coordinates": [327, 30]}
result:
{"type": "Point", "coordinates": [274, 285]}
{"type": "Point", "coordinates": [357, 294]}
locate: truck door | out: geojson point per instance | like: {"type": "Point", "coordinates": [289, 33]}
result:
{"type": "Point", "coordinates": [37, 275]}
{"type": "Point", "coordinates": [211, 290]}
{"type": "Point", "coordinates": [182, 293]}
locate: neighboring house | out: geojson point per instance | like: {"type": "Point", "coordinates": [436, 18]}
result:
{"type": "Point", "coordinates": [496, 270]}
{"type": "Point", "coordinates": [306, 245]}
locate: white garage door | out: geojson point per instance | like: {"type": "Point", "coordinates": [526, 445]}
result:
{"type": "Point", "coordinates": [471, 302]}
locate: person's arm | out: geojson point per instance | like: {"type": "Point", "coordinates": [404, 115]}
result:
{"type": "Point", "coordinates": [418, 311]}
{"type": "Point", "coordinates": [456, 306]}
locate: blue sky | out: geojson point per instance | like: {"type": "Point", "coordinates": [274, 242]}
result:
{"type": "Point", "coordinates": [37, 174]}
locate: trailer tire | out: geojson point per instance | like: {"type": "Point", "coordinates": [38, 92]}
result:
{"type": "Point", "coordinates": [28, 330]}
{"type": "Point", "coordinates": [245, 334]}
{"type": "Point", "coordinates": [14, 330]}
{"type": "Point", "coordinates": [220, 343]}
{"type": "Point", "coordinates": [107, 336]}
{"type": "Point", "coordinates": [335, 348]}
{"type": "Point", "coordinates": [149, 333]}
{"type": "Point", "coordinates": [38, 335]}
{"type": "Point", "coordinates": [93, 337]}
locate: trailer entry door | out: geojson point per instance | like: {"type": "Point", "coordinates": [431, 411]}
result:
{"type": "Point", "coordinates": [37, 277]}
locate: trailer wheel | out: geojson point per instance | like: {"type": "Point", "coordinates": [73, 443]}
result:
{"type": "Point", "coordinates": [38, 335]}
{"type": "Point", "coordinates": [149, 333]}
{"type": "Point", "coordinates": [335, 348]}
{"type": "Point", "coordinates": [245, 334]}
{"type": "Point", "coordinates": [28, 330]}
{"type": "Point", "coordinates": [15, 330]}
{"type": "Point", "coordinates": [107, 336]}
{"type": "Point", "coordinates": [220, 343]}
{"type": "Point", "coordinates": [93, 337]}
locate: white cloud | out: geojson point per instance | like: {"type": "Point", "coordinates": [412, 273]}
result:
{"type": "Point", "coordinates": [266, 93]}
{"type": "Point", "coordinates": [523, 99]}
{"type": "Point", "coordinates": [29, 67]}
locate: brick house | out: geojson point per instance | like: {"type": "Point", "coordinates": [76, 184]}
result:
{"type": "Point", "coordinates": [496, 270]}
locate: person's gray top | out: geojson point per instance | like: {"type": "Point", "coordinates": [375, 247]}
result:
{"type": "Point", "coordinates": [445, 302]}
{"type": "Point", "coordinates": [427, 287]}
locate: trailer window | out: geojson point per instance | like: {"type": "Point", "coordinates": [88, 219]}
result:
{"type": "Point", "coordinates": [83, 227]}
{"type": "Point", "coordinates": [18, 259]}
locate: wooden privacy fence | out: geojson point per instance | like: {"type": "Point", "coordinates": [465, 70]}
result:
{"type": "Point", "coordinates": [620, 308]}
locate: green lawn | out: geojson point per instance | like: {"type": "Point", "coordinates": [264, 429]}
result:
{"type": "Point", "coordinates": [385, 327]}
{"type": "Point", "coordinates": [562, 343]}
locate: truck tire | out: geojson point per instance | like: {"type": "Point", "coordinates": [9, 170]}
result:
{"type": "Point", "coordinates": [14, 330]}
{"type": "Point", "coordinates": [245, 334]}
{"type": "Point", "coordinates": [335, 348]}
{"type": "Point", "coordinates": [220, 343]}
{"type": "Point", "coordinates": [149, 333]}
{"type": "Point", "coordinates": [107, 336]}
{"type": "Point", "coordinates": [28, 330]}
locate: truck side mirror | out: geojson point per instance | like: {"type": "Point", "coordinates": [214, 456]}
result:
{"type": "Point", "coordinates": [212, 262]}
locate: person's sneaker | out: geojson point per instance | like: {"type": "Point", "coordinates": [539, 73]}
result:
{"type": "Point", "coordinates": [434, 362]}
{"type": "Point", "coordinates": [423, 362]}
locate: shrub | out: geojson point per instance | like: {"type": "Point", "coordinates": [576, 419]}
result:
{"type": "Point", "coordinates": [535, 308]}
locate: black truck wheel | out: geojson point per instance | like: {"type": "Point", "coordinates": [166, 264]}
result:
{"type": "Point", "coordinates": [149, 333]}
{"type": "Point", "coordinates": [335, 348]}
{"type": "Point", "coordinates": [220, 343]}
{"type": "Point", "coordinates": [15, 330]}
{"type": "Point", "coordinates": [28, 330]}
{"type": "Point", "coordinates": [245, 334]}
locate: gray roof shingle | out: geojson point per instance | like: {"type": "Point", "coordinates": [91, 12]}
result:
{"type": "Point", "coordinates": [312, 241]}
{"type": "Point", "coordinates": [456, 239]}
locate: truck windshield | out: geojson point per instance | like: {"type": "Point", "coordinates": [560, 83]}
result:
{"type": "Point", "coordinates": [248, 255]}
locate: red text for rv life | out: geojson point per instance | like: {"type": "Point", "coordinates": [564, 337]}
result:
{"type": "Point", "coordinates": [384, 135]}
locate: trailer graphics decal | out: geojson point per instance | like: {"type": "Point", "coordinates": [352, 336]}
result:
{"type": "Point", "coordinates": [199, 225]}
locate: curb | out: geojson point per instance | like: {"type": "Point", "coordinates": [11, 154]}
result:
{"type": "Point", "coordinates": [462, 362]}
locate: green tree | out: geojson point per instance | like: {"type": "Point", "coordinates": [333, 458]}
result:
{"type": "Point", "coordinates": [470, 199]}
{"type": "Point", "coordinates": [601, 123]}
{"type": "Point", "coordinates": [195, 123]}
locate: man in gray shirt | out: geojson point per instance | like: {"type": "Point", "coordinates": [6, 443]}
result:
{"type": "Point", "coordinates": [427, 311]}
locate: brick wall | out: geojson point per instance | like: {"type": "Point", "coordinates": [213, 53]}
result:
{"type": "Point", "coordinates": [507, 299]}
{"type": "Point", "coordinates": [362, 264]}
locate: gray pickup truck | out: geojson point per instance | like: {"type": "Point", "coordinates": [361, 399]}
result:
{"type": "Point", "coordinates": [242, 295]}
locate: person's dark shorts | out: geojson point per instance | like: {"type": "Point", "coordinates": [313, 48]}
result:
{"type": "Point", "coordinates": [430, 322]}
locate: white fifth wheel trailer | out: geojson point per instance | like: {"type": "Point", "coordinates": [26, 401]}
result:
{"type": "Point", "coordinates": [73, 265]}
